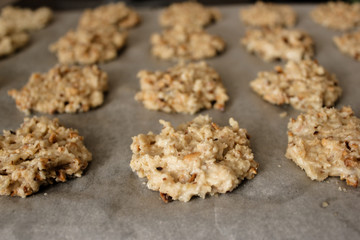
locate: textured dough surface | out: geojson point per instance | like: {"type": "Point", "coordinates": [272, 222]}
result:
{"type": "Point", "coordinates": [195, 159]}
{"type": "Point", "coordinates": [337, 15]}
{"type": "Point", "coordinates": [349, 44]}
{"type": "Point", "coordinates": [268, 15]}
{"type": "Point", "coordinates": [40, 152]}
{"type": "Point", "coordinates": [10, 39]}
{"type": "Point", "coordinates": [185, 88]}
{"type": "Point", "coordinates": [325, 143]}
{"type": "Point", "coordinates": [116, 14]}
{"type": "Point", "coordinates": [188, 14]}
{"type": "Point", "coordinates": [278, 43]}
{"type": "Point", "coordinates": [305, 85]}
{"type": "Point", "coordinates": [187, 44]}
{"type": "Point", "coordinates": [62, 89]}
{"type": "Point", "coordinates": [25, 19]}
{"type": "Point", "coordinates": [88, 46]}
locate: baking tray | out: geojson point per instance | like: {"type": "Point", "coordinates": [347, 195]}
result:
{"type": "Point", "coordinates": [111, 202]}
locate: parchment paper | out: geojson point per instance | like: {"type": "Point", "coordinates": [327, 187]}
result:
{"type": "Point", "coordinates": [111, 202]}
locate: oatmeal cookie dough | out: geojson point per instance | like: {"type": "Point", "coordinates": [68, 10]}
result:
{"type": "Point", "coordinates": [268, 15]}
{"type": "Point", "coordinates": [182, 43]}
{"type": "Point", "coordinates": [89, 46]}
{"type": "Point", "coordinates": [349, 44]}
{"type": "Point", "coordinates": [39, 153]}
{"type": "Point", "coordinates": [10, 39]}
{"type": "Point", "coordinates": [337, 15]}
{"type": "Point", "coordinates": [278, 43]}
{"type": "Point", "coordinates": [326, 142]}
{"type": "Point", "coordinates": [116, 14]}
{"type": "Point", "coordinates": [305, 85]}
{"type": "Point", "coordinates": [62, 89]}
{"type": "Point", "coordinates": [195, 159]}
{"type": "Point", "coordinates": [188, 14]}
{"type": "Point", "coordinates": [24, 19]}
{"type": "Point", "coordinates": [185, 88]}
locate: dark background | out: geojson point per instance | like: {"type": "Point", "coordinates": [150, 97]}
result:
{"type": "Point", "coordinates": [75, 4]}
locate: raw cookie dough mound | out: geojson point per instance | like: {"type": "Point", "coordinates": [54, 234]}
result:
{"type": "Point", "coordinates": [182, 43]}
{"type": "Point", "coordinates": [40, 152]}
{"type": "Point", "coordinates": [64, 88]}
{"type": "Point", "coordinates": [24, 19]}
{"type": "Point", "coordinates": [88, 46]}
{"type": "Point", "coordinates": [196, 159]}
{"type": "Point", "coordinates": [188, 14]}
{"type": "Point", "coordinates": [325, 143]}
{"type": "Point", "coordinates": [117, 14]}
{"type": "Point", "coordinates": [183, 88]}
{"type": "Point", "coordinates": [337, 15]}
{"type": "Point", "coordinates": [349, 44]}
{"type": "Point", "coordinates": [279, 43]}
{"type": "Point", "coordinates": [268, 15]}
{"type": "Point", "coordinates": [10, 39]}
{"type": "Point", "coordinates": [305, 85]}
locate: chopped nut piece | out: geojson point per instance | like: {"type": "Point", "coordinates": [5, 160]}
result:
{"type": "Point", "coordinates": [193, 177]}
{"type": "Point", "coordinates": [166, 198]}
{"type": "Point", "coordinates": [52, 138]}
{"type": "Point", "coordinates": [73, 134]}
{"type": "Point", "coordinates": [192, 163]}
{"type": "Point", "coordinates": [192, 156]}
{"type": "Point", "coordinates": [322, 155]}
{"type": "Point", "coordinates": [283, 114]}
{"type": "Point", "coordinates": [324, 204]}
{"type": "Point", "coordinates": [214, 125]}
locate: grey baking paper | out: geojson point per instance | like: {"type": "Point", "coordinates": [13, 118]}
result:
{"type": "Point", "coordinates": [111, 202]}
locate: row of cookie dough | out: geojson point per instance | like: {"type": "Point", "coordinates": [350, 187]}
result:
{"type": "Point", "coordinates": [90, 43]}
{"type": "Point", "coordinates": [184, 88]}
{"type": "Point", "coordinates": [336, 15]}
{"type": "Point", "coordinates": [197, 158]}
{"type": "Point", "coordinates": [183, 18]}
{"type": "Point", "coordinates": [278, 43]}
{"type": "Point", "coordinates": [185, 37]}
{"type": "Point", "coordinates": [200, 158]}
{"type": "Point", "coordinates": [272, 41]}
{"type": "Point", "coordinates": [209, 159]}
{"type": "Point", "coordinates": [15, 23]}
{"type": "Point", "coordinates": [188, 88]}
{"type": "Point", "coordinates": [191, 42]}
